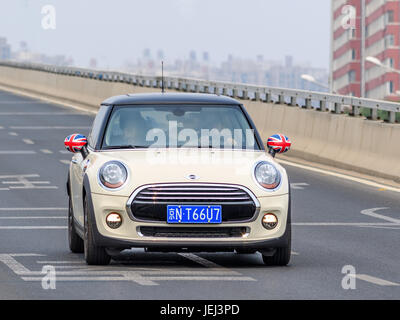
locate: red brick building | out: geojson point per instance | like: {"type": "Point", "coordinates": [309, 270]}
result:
{"type": "Point", "coordinates": [361, 29]}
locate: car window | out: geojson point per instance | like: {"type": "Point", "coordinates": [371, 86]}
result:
{"type": "Point", "coordinates": [179, 126]}
{"type": "Point", "coordinates": [97, 126]}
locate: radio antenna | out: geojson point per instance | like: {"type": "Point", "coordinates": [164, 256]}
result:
{"type": "Point", "coordinates": [162, 77]}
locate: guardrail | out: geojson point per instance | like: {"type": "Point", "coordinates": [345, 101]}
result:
{"type": "Point", "coordinates": [302, 98]}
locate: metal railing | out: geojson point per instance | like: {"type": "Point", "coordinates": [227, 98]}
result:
{"type": "Point", "coordinates": [306, 99]}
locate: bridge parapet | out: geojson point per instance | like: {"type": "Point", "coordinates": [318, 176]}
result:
{"type": "Point", "coordinates": [305, 99]}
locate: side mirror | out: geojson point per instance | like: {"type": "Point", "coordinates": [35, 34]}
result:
{"type": "Point", "coordinates": [278, 143]}
{"type": "Point", "coordinates": [75, 142]}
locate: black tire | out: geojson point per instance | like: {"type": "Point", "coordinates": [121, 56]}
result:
{"type": "Point", "coordinates": [75, 242]}
{"type": "Point", "coordinates": [282, 255]}
{"type": "Point", "coordinates": [94, 255]}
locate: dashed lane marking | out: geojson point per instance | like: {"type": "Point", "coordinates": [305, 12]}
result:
{"type": "Point", "coordinates": [34, 209]}
{"type": "Point", "coordinates": [47, 128]}
{"type": "Point", "coordinates": [31, 227]}
{"type": "Point", "coordinates": [16, 152]}
{"type": "Point", "coordinates": [14, 134]}
{"type": "Point", "coordinates": [28, 141]}
{"type": "Point", "coordinates": [30, 218]}
{"type": "Point", "coordinates": [299, 186]}
{"type": "Point", "coordinates": [65, 161]}
{"type": "Point", "coordinates": [47, 151]}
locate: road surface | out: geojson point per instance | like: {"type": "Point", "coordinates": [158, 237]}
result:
{"type": "Point", "coordinates": [338, 225]}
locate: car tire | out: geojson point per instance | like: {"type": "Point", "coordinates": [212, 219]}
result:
{"type": "Point", "coordinates": [74, 240]}
{"type": "Point", "coordinates": [281, 256]}
{"type": "Point", "coordinates": [94, 255]}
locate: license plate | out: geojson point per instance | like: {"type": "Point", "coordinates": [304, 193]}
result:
{"type": "Point", "coordinates": [194, 214]}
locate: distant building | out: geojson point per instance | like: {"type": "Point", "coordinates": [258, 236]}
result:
{"type": "Point", "coordinates": [351, 46]}
{"type": "Point", "coordinates": [5, 49]}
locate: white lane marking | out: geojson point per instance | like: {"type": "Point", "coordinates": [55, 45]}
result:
{"type": "Point", "coordinates": [357, 224]}
{"type": "Point", "coordinates": [294, 253]}
{"type": "Point", "coordinates": [14, 265]}
{"type": "Point", "coordinates": [65, 161]}
{"type": "Point", "coordinates": [24, 183]}
{"type": "Point", "coordinates": [65, 152]}
{"type": "Point", "coordinates": [36, 113]}
{"type": "Point", "coordinates": [48, 100]}
{"type": "Point", "coordinates": [1, 127]}
{"type": "Point", "coordinates": [34, 209]}
{"type": "Point", "coordinates": [375, 280]}
{"type": "Point", "coordinates": [28, 141]}
{"type": "Point", "coordinates": [299, 186]}
{"type": "Point", "coordinates": [30, 218]}
{"type": "Point", "coordinates": [31, 227]}
{"type": "Point", "coordinates": [47, 151]}
{"type": "Point", "coordinates": [15, 152]}
{"type": "Point", "coordinates": [47, 128]}
{"type": "Point", "coordinates": [382, 227]}
{"type": "Point", "coordinates": [339, 175]}
{"type": "Point", "coordinates": [372, 213]}
{"type": "Point", "coordinates": [141, 276]}
{"type": "Point", "coordinates": [14, 134]}
{"type": "Point", "coordinates": [17, 102]}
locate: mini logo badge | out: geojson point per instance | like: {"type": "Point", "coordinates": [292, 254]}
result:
{"type": "Point", "coordinates": [192, 177]}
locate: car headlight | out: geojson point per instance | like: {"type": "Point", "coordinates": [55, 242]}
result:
{"type": "Point", "coordinates": [267, 175]}
{"type": "Point", "coordinates": [113, 174]}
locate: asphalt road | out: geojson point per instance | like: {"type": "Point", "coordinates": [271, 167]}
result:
{"type": "Point", "coordinates": [334, 227]}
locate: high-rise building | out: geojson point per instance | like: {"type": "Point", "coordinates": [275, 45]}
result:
{"type": "Point", "coordinates": [362, 29]}
{"type": "Point", "coordinates": [5, 49]}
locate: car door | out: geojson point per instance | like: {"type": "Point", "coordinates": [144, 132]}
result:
{"type": "Point", "coordinates": [77, 172]}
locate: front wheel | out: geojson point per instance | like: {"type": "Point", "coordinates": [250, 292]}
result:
{"type": "Point", "coordinates": [281, 256]}
{"type": "Point", "coordinates": [94, 255]}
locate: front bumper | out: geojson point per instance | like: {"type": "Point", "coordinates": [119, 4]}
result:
{"type": "Point", "coordinates": [128, 235]}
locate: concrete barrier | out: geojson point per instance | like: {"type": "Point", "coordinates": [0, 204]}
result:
{"type": "Point", "coordinates": [353, 143]}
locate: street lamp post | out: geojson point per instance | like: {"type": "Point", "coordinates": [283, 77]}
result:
{"type": "Point", "coordinates": [311, 79]}
{"type": "Point", "coordinates": [379, 63]}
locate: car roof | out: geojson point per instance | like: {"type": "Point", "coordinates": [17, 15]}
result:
{"type": "Point", "coordinates": [169, 98]}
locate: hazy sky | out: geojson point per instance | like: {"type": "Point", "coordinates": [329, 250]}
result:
{"type": "Point", "coordinates": [114, 31]}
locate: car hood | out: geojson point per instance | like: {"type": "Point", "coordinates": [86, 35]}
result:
{"type": "Point", "coordinates": [154, 166]}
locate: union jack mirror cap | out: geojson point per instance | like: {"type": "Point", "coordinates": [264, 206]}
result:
{"type": "Point", "coordinates": [279, 143]}
{"type": "Point", "coordinates": [75, 142]}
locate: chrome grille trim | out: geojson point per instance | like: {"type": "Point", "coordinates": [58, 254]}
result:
{"type": "Point", "coordinates": [241, 195]}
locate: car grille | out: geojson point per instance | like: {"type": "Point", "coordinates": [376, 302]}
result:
{"type": "Point", "coordinates": [193, 232]}
{"type": "Point", "coordinates": [150, 203]}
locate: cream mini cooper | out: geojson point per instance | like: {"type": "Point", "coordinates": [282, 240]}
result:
{"type": "Point", "coordinates": [177, 172]}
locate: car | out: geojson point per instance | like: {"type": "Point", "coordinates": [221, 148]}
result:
{"type": "Point", "coordinates": [173, 172]}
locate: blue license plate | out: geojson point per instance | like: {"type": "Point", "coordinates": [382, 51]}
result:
{"type": "Point", "coordinates": [194, 214]}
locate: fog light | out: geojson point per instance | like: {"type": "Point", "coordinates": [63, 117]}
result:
{"type": "Point", "coordinates": [114, 220]}
{"type": "Point", "coordinates": [269, 221]}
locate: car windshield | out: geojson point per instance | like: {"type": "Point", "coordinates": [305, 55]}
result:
{"type": "Point", "coordinates": [179, 126]}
